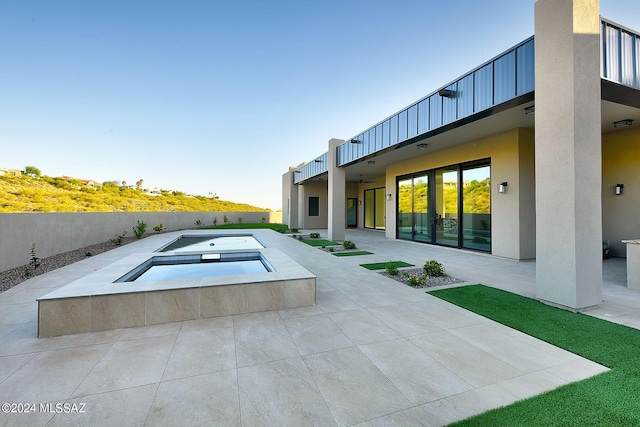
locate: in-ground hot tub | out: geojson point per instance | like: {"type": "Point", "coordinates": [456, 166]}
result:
{"type": "Point", "coordinates": [107, 299]}
{"type": "Point", "coordinates": [197, 266]}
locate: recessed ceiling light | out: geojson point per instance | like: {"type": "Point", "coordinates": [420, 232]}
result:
{"type": "Point", "coordinates": [623, 123]}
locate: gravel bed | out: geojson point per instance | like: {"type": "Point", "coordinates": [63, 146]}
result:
{"type": "Point", "coordinates": [429, 283]}
{"type": "Point", "coordinates": [15, 276]}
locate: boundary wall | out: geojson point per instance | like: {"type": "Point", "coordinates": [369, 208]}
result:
{"type": "Point", "coordinates": [56, 233]}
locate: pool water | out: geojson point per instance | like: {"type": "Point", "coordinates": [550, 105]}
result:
{"type": "Point", "coordinates": [212, 243]}
{"type": "Point", "coordinates": [193, 266]}
{"type": "Point", "coordinates": [207, 269]}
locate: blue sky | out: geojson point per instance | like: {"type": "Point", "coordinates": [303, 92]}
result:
{"type": "Point", "coordinates": [223, 96]}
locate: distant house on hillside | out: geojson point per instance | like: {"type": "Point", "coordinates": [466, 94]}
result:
{"type": "Point", "coordinates": [10, 172]}
{"type": "Point", "coordinates": [87, 182]}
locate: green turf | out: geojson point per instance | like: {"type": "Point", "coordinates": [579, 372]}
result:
{"type": "Point", "coordinates": [353, 253]}
{"type": "Point", "coordinates": [383, 265]}
{"type": "Point", "coordinates": [276, 227]}
{"type": "Point", "coordinates": [319, 242]}
{"type": "Point", "coordinates": [609, 399]}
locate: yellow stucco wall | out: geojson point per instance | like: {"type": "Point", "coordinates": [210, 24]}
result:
{"type": "Point", "coordinates": [621, 165]}
{"type": "Point", "coordinates": [512, 213]}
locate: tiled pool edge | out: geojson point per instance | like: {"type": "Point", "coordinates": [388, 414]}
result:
{"type": "Point", "coordinates": [94, 303]}
{"type": "Point", "coordinates": [72, 315]}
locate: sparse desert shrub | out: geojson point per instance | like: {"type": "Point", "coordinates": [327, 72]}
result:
{"type": "Point", "coordinates": [416, 280]}
{"type": "Point", "coordinates": [348, 244]}
{"type": "Point", "coordinates": [433, 268]}
{"type": "Point", "coordinates": [314, 235]}
{"type": "Point", "coordinates": [139, 229]}
{"type": "Point", "coordinates": [34, 261]}
{"type": "Point", "coordinates": [158, 228]}
{"type": "Point", "coordinates": [117, 241]}
{"type": "Point", "coordinates": [391, 269]}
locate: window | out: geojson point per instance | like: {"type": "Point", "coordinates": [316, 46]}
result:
{"type": "Point", "coordinates": [314, 206]}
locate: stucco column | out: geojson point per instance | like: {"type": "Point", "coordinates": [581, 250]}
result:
{"type": "Point", "coordinates": [301, 208]}
{"type": "Point", "coordinates": [568, 153]}
{"type": "Point", "coordinates": [337, 221]}
{"type": "Point", "coordinates": [290, 199]}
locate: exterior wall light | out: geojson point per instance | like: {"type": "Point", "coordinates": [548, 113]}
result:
{"type": "Point", "coordinates": [530, 110]}
{"type": "Point", "coordinates": [623, 123]}
{"type": "Point", "coordinates": [502, 187]}
{"type": "Point", "coordinates": [446, 93]}
{"type": "Point", "coordinates": [618, 189]}
{"type": "Point", "coordinates": [422, 146]}
{"type": "Point", "coordinates": [388, 197]}
{"type": "Point", "coordinates": [354, 141]}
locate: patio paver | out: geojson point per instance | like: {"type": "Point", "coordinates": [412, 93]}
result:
{"type": "Point", "coordinates": [371, 352]}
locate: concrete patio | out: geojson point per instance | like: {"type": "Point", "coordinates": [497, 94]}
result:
{"type": "Point", "coordinates": [371, 352]}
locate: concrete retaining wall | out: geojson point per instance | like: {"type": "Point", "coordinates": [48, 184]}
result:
{"type": "Point", "coordinates": [55, 233]}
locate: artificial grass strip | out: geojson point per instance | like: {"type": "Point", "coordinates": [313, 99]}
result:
{"type": "Point", "coordinates": [319, 242]}
{"type": "Point", "coordinates": [356, 253]}
{"type": "Point", "coordinates": [383, 265]}
{"type": "Point", "coordinates": [606, 399]}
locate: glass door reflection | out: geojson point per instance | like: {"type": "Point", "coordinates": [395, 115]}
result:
{"type": "Point", "coordinates": [421, 214]}
{"type": "Point", "coordinates": [446, 206]}
{"type": "Point", "coordinates": [405, 209]}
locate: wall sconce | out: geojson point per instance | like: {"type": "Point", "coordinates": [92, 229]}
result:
{"type": "Point", "coordinates": [360, 202]}
{"type": "Point", "coordinates": [530, 110]}
{"type": "Point", "coordinates": [388, 197]}
{"type": "Point", "coordinates": [446, 93]}
{"type": "Point", "coordinates": [623, 123]}
{"type": "Point", "coordinates": [502, 187]}
{"type": "Point", "coordinates": [618, 189]}
{"type": "Point", "coordinates": [354, 141]}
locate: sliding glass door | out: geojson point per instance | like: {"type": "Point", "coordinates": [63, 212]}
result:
{"type": "Point", "coordinates": [414, 218]}
{"type": "Point", "coordinates": [476, 215]}
{"type": "Point", "coordinates": [446, 215]}
{"type": "Point", "coordinates": [374, 208]}
{"type": "Point", "coordinates": [421, 214]}
{"type": "Point", "coordinates": [405, 209]}
{"type": "Point", "coordinates": [449, 206]}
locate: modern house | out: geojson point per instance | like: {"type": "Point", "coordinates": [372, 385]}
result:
{"type": "Point", "coordinates": [533, 154]}
{"type": "Point", "coordinates": [10, 172]}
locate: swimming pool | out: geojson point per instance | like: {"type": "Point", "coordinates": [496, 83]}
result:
{"type": "Point", "coordinates": [104, 299]}
{"type": "Point", "coordinates": [207, 243]}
